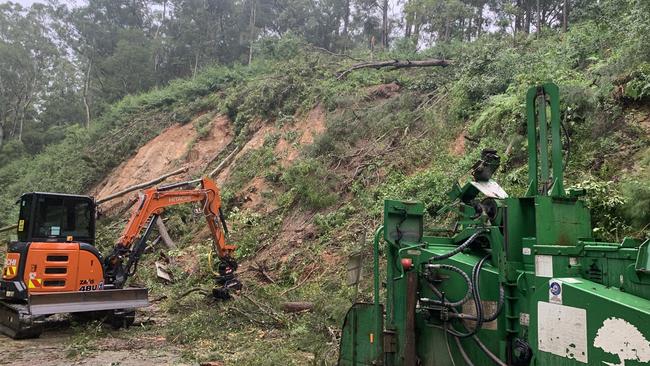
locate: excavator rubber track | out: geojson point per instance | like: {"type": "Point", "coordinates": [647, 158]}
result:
{"type": "Point", "coordinates": [17, 322]}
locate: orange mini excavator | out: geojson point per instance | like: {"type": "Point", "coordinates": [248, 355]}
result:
{"type": "Point", "coordinates": [54, 266]}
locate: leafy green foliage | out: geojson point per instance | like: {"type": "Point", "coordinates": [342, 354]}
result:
{"type": "Point", "coordinates": [309, 182]}
{"type": "Point", "coordinates": [606, 202]}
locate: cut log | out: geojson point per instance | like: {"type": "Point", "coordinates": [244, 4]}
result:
{"type": "Point", "coordinates": [393, 64]}
{"type": "Point", "coordinates": [162, 230]}
{"type": "Point", "coordinates": [141, 185]}
{"type": "Point", "coordinates": [223, 164]}
{"type": "Point", "coordinates": [7, 228]}
{"type": "Point", "coordinates": [297, 307]}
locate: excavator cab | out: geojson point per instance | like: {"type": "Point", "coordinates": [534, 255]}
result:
{"type": "Point", "coordinates": [56, 218]}
{"type": "Point", "coordinates": [55, 248]}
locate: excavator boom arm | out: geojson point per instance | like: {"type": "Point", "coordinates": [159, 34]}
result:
{"type": "Point", "coordinates": [151, 204]}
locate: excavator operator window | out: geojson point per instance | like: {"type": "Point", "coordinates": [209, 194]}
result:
{"type": "Point", "coordinates": [24, 218]}
{"type": "Point", "coordinates": [59, 217]}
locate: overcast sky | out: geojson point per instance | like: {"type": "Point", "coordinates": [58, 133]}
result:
{"type": "Point", "coordinates": [23, 2]}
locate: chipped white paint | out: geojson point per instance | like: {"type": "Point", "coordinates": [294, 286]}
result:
{"type": "Point", "coordinates": [569, 280]}
{"type": "Point", "coordinates": [524, 319]}
{"type": "Point", "coordinates": [562, 330]}
{"type": "Point", "coordinates": [620, 338]}
{"type": "Point", "coordinates": [544, 266]}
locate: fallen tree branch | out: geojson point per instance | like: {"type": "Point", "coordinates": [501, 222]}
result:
{"type": "Point", "coordinates": [224, 163]}
{"type": "Point", "coordinates": [300, 283]}
{"type": "Point", "coordinates": [196, 289]}
{"type": "Point", "coordinates": [325, 50]}
{"type": "Point", "coordinates": [141, 185]}
{"type": "Point", "coordinates": [393, 64]}
{"type": "Point", "coordinates": [264, 309]}
{"type": "Point", "coordinates": [261, 269]}
{"type": "Point", "coordinates": [7, 228]}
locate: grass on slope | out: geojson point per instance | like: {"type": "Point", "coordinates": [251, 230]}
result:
{"type": "Point", "coordinates": [406, 146]}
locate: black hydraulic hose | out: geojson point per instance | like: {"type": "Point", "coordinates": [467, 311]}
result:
{"type": "Point", "coordinates": [497, 312]}
{"type": "Point", "coordinates": [476, 285]}
{"type": "Point", "coordinates": [476, 271]}
{"type": "Point", "coordinates": [489, 353]}
{"type": "Point", "coordinates": [462, 273]}
{"type": "Point", "coordinates": [466, 358]}
{"type": "Point", "coordinates": [459, 248]}
{"type": "Point", "coordinates": [457, 335]}
{"type": "Point", "coordinates": [481, 345]}
{"type": "Point", "coordinates": [477, 304]}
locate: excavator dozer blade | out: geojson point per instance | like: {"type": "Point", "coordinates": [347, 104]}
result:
{"type": "Point", "coordinates": [84, 301]}
{"type": "Point", "coordinates": [25, 320]}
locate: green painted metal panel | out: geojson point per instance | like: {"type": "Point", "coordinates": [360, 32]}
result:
{"type": "Point", "coordinates": [359, 338]}
{"type": "Point", "coordinates": [568, 299]}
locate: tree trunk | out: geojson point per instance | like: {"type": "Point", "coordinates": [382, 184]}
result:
{"type": "Point", "coordinates": [518, 17]}
{"type": "Point", "coordinates": [539, 17]}
{"type": "Point", "coordinates": [20, 129]}
{"type": "Point", "coordinates": [252, 31]}
{"type": "Point", "coordinates": [384, 25]}
{"type": "Point", "coordinates": [297, 306]}
{"type": "Point", "coordinates": [196, 64]}
{"type": "Point", "coordinates": [565, 16]}
{"type": "Point", "coordinates": [85, 92]}
{"type": "Point", "coordinates": [479, 22]}
{"type": "Point", "coordinates": [447, 28]}
{"type": "Point", "coordinates": [2, 134]}
{"type": "Point", "coordinates": [407, 26]}
{"type": "Point", "coordinates": [346, 18]}
{"type": "Point", "coordinates": [164, 234]}
{"type": "Point", "coordinates": [394, 65]}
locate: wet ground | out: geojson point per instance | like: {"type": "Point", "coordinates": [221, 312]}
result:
{"type": "Point", "coordinates": [93, 344]}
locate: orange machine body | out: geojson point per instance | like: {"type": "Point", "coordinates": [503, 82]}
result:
{"type": "Point", "coordinates": [58, 267]}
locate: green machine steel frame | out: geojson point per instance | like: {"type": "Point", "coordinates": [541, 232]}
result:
{"type": "Point", "coordinates": [519, 280]}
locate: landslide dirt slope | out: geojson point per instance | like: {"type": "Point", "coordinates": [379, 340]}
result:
{"type": "Point", "coordinates": [176, 147]}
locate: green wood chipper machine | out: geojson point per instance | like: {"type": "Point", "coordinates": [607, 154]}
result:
{"type": "Point", "coordinates": [517, 281]}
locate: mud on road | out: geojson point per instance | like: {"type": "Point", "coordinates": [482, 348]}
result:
{"type": "Point", "coordinates": [93, 344]}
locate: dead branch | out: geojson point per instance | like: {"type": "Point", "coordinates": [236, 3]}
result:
{"type": "Point", "coordinates": [161, 298]}
{"type": "Point", "coordinates": [297, 307]}
{"type": "Point", "coordinates": [7, 228]}
{"type": "Point", "coordinates": [265, 309]}
{"type": "Point", "coordinates": [247, 315]}
{"type": "Point", "coordinates": [196, 289]}
{"type": "Point", "coordinates": [324, 50]}
{"type": "Point", "coordinates": [299, 283]}
{"type": "Point", "coordinates": [224, 163]}
{"type": "Point", "coordinates": [261, 269]}
{"type": "Point", "coordinates": [393, 65]}
{"type": "Point", "coordinates": [141, 185]}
